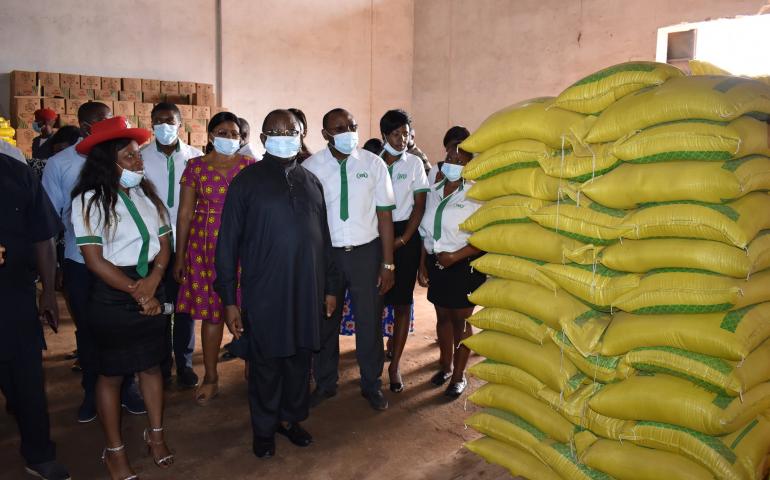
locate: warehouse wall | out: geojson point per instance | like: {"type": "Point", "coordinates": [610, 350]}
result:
{"type": "Point", "coordinates": [355, 54]}
{"type": "Point", "coordinates": [474, 57]}
{"type": "Point", "coordinates": [169, 40]}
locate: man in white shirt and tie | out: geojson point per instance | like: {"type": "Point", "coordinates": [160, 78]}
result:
{"type": "Point", "coordinates": [359, 200]}
{"type": "Point", "coordinates": [164, 161]}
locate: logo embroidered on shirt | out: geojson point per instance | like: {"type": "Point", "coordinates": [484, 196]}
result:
{"type": "Point", "coordinates": [362, 175]}
{"type": "Point", "coordinates": [401, 176]}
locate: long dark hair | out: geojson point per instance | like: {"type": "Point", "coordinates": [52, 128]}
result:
{"type": "Point", "coordinates": [100, 176]}
{"type": "Point", "coordinates": [304, 152]}
{"type": "Point", "coordinates": [220, 117]}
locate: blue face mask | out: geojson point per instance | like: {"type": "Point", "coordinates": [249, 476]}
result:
{"type": "Point", "coordinates": [396, 153]}
{"type": "Point", "coordinates": [346, 142]}
{"type": "Point", "coordinates": [166, 134]}
{"type": "Point", "coordinates": [36, 127]}
{"type": "Point", "coordinates": [130, 179]}
{"type": "Point", "coordinates": [282, 146]}
{"type": "Point", "coordinates": [226, 146]}
{"type": "Point", "coordinates": [452, 171]}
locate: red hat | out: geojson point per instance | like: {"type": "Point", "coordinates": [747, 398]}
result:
{"type": "Point", "coordinates": [110, 129]}
{"type": "Point", "coordinates": [45, 115]}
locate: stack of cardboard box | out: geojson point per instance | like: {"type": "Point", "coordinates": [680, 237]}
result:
{"type": "Point", "coordinates": [132, 98]}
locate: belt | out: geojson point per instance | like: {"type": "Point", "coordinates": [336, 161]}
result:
{"type": "Point", "coordinates": [350, 248]}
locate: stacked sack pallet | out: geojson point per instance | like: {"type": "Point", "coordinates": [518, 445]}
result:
{"type": "Point", "coordinates": [626, 320]}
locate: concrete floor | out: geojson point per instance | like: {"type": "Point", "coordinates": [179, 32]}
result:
{"type": "Point", "coordinates": [419, 437]}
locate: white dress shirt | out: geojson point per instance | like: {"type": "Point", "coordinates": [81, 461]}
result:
{"type": "Point", "coordinates": [443, 216]}
{"type": "Point", "coordinates": [249, 152]}
{"type": "Point", "coordinates": [12, 151]}
{"type": "Point", "coordinates": [157, 169]}
{"type": "Point", "coordinates": [352, 218]}
{"type": "Point", "coordinates": [408, 177]}
{"type": "Point", "coordinates": [122, 241]}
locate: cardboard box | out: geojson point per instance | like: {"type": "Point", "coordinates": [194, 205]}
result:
{"type": "Point", "coordinates": [132, 85]}
{"type": "Point", "coordinates": [184, 136]}
{"type": "Point", "coordinates": [68, 120]}
{"type": "Point", "coordinates": [201, 112]}
{"type": "Point", "coordinates": [109, 95]}
{"type": "Point", "coordinates": [110, 83]}
{"type": "Point", "coordinates": [144, 122]}
{"type": "Point", "coordinates": [26, 150]}
{"type": "Point", "coordinates": [109, 103]}
{"type": "Point", "coordinates": [69, 80]}
{"type": "Point", "coordinates": [151, 97]}
{"type": "Point", "coordinates": [186, 111]}
{"type": "Point", "coordinates": [47, 79]}
{"type": "Point", "coordinates": [178, 99]}
{"type": "Point", "coordinates": [169, 87]}
{"type": "Point", "coordinates": [73, 104]}
{"type": "Point", "coordinates": [55, 92]}
{"type": "Point", "coordinates": [196, 125]}
{"type": "Point", "coordinates": [124, 109]}
{"type": "Point", "coordinates": [133, 121]}
{"type": "Point", "coordinates": [215, 110]}
{"type": "Point", "coordinates": [187, 88]}
{"type": "Point", "coordinates": [90, 82]}
{"type": "Point", "coordinates": [142, 109]}
{"type": "Point", "coordinates": [203, 88]}
{"type": "Point", "coordinates": [150, 85]}
{"type": "Point", "coordinates": [198, 139]}
{"type": "Point", "coordinates": [25, 104]}
{"type": "Point", "coordinates": [130, 96]}
{"type": "Point", "coordinates": [25, 91]}
{"type": "Point", "coordinates": [207, 99]}
{"type": "Point", "coordinates": [21, 77]}
{"type": "Point", "coordinates": [58, 105]}
{"type": "Point", "coordinates": [81, 93]}
{"type": "Point", "coordinates": [24, 136]}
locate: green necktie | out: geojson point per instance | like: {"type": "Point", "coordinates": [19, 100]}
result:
{"type": "Point", "coordinates": [439, 214]}
{"type": "Point", "coordinates": [344, 190]}
{"type": "Point", "coordinates": [171, 177]}
{"type": "Point", "coordinates": [142, 266]}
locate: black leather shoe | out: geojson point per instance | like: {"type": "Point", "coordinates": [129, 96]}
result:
{"type": "Point", "coordinates": [376, 399]}
{"type": "Point", "coordinates": [456, 389]}
{"type": "Point", "coordinates": [319, 396]}
{"type": "Point", "coordinates": [48, 471]}
{"type": "Point", "coordinates": [440, 378]}
{"type": "Point", "coordinates": [186, 378]}
{"type": "Point", "coordinates": [296, 434]}
{"type": "Point", "coordinates": [264, 447]}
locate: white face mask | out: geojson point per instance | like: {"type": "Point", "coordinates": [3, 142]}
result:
{"type": "Point", "coordinates": [226, 146]}
{"type": "Point", "coordinates": [130, 179]}
{"type": "Point", "coordinates": [396, 153]}
{"type": "Point", "coordinates": [166, 134]}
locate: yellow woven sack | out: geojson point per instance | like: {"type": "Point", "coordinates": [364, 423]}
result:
{"type": "Point", "coordinates": [722, 376]}
{"type": "Point", "coordinates": [596, 285]}
{"type": "Point", "coordinates": [682, 291]}
{"type": "Point", "coordinates": [529, 240]}
{"type": "Point", "coordinates": [506, 428]}
{"type": "Point", "coordinates": [729, 335]}
{"type": "Point", "coordinates": [512, 323]}
{"type": "Point", "coordinates": [542, 361]}
{"type": "Point", "coordinates": [588, 222]}
{"type": "Point", "coordinates": [699, 67]}
{"type": "Point", "coordinates": [513, 268]}
{"type": "Point", "coordinates": [530, 181]}
{"type": "Point", "coordinates": [516, 461]}
{"type": "Point", "coordinates": [596, 160]}
{"type": "Point", "coordinates": [559, 310]}
{"type": "Point", "coordinates": [641, 256]}
{"type": "Point", "coordinates": [630, 186]}
{"type": "Point", "coordinates": [530, 119]}
{"type": "Point", "coordinates": [597, 368]}
{"type": "Point", "coordinates": [717, 98]}
{"type": "Point", "coordinates": [504, 157]}
{"type": "Point", "coordinates": [532, 410]}
{"type": "Point", "coordinates": [597, 91]}
{"type": "Point", "coordinates": [735, 223]}
{"type": "Point", "coordinates": [738, 456]}
{"type": "Point", "coordinates": [669, 399]}
{"type": "Point", "coordinates": [500, 373]}
{"type": "Point", "coordinates": [626, 461]}
{"type": "Point", "coordinates": [575, 409]}
{"type": "Point", "coordinates": [510, 209]}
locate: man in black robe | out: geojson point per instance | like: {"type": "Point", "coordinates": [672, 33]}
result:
{"type": "Point", "coordinates": [274, 226]}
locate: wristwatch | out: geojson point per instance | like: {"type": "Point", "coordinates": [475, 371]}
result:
{"type": "Point", "coordinates": [389, 266]}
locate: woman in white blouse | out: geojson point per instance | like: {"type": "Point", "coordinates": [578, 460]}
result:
{"type": "Point", "coordinates": [122, 228]}
{"type": "Point", "coordinates": [445, 267]}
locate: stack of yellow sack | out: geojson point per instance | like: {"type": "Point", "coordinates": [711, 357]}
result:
{"type": "Point", "coordinates": [626, 320]}
{"type": "Point", "coordinates": [6, 131]}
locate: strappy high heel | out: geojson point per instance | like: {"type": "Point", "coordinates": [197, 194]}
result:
{"type": "Point", "coordinates": [116, 450]}
{"type": "Point", "coordinates": [164, 462]}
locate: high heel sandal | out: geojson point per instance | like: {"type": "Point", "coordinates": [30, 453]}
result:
{"type": "Point", "coordinates": [116, 450]}
{"type": "Point", "coordinates": [206, 392]}
{"type": "Point", "coordinates": [164, 462]}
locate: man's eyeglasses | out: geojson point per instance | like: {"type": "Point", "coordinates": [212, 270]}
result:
{"type": "Point", "coordinates": [343, 129]}
{"type": "Point", "coordinates": [281, 133]}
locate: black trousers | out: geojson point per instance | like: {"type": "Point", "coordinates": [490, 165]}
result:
{"type": "Point", "coordinates": [279, 390]}
{"type": "Point", "coordinates": [180, 331]}
{"type": "Point", "coordinates": [360, 268]}
{"type": "Point", "coordinates": [78, 281]}
{"type": "Point", "coordinates": [22, 384]}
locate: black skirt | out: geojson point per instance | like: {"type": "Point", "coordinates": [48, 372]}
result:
{"type": "Point", "coordinates": [126, 341]}
{"type": "Point", "coordinates": [450, 287]}
{"type": "Point", "coordinates": [407, 260]}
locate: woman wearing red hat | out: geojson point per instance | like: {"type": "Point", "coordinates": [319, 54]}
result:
{"type": "Point", "coordinates": [122, 228]}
